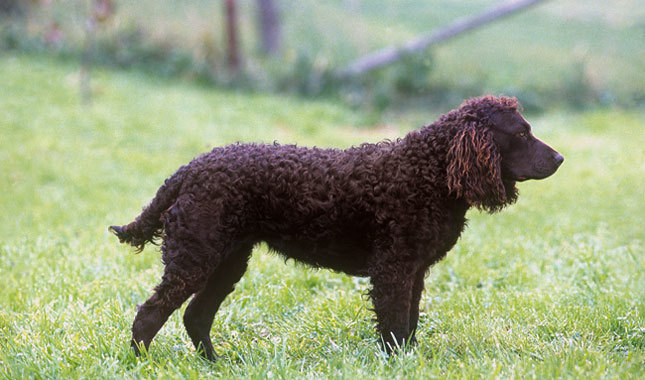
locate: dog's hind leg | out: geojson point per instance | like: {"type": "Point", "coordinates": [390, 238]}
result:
{"type": "Point", "coordinates": [179, 281]}
{"type": "Point", "coordinates": [199, 314]}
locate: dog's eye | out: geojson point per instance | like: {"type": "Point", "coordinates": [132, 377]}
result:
{"type": "Point", "coordinates": [522, 134]}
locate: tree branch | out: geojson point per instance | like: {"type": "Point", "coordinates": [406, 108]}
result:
{"type": "Point", "coordinates": [391, 54]}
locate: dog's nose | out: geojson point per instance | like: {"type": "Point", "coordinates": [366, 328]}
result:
{"type": "Point", "coordinates": [558, 159]}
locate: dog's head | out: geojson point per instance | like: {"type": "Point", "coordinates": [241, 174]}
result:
{"type": "Point", "coordinates": [492, 150]}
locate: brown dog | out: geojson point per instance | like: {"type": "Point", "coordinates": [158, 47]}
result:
{"type": "Point", "coordinates": [387, 211]}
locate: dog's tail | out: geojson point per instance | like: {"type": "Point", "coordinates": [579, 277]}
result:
{"type": "Point", "coordinates": [149, 225]}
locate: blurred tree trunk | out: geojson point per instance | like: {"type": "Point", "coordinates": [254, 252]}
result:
{"type": "Point", "coordinates": [392, 54]}
{"type": "Point", "coordinates": [269, 27]}
{"type": "Point", "coordinates": [232, 38]}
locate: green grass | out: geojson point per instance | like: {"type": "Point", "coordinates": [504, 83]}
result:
{"type": "Point", "coordinates": [550, 288]}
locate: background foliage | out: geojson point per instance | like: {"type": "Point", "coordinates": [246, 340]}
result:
{"type": "Point", "coordinates": [570, 52]}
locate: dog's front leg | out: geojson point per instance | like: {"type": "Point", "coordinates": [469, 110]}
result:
{"type": "Point", "coordinates": [417, 290]}
{"type": "Point", "coordinates": [392, 286]}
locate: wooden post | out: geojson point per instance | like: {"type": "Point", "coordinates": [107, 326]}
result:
{"type": "Point", "coordinates": [100, 11]}
{"type": "Point", "coordinates": [231, 32]}
{"type": "Point", "coordinates": [86, 60]}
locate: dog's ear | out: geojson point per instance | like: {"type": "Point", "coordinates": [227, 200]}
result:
{"type": "Point", "coordinates": [474, 169]}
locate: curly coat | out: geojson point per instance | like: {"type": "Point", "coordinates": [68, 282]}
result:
{"type": "Point", "coordinates": [387, 211]}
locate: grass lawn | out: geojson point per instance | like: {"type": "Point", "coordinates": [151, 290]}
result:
{"type": "Point", "coordinates": [550, 288]}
